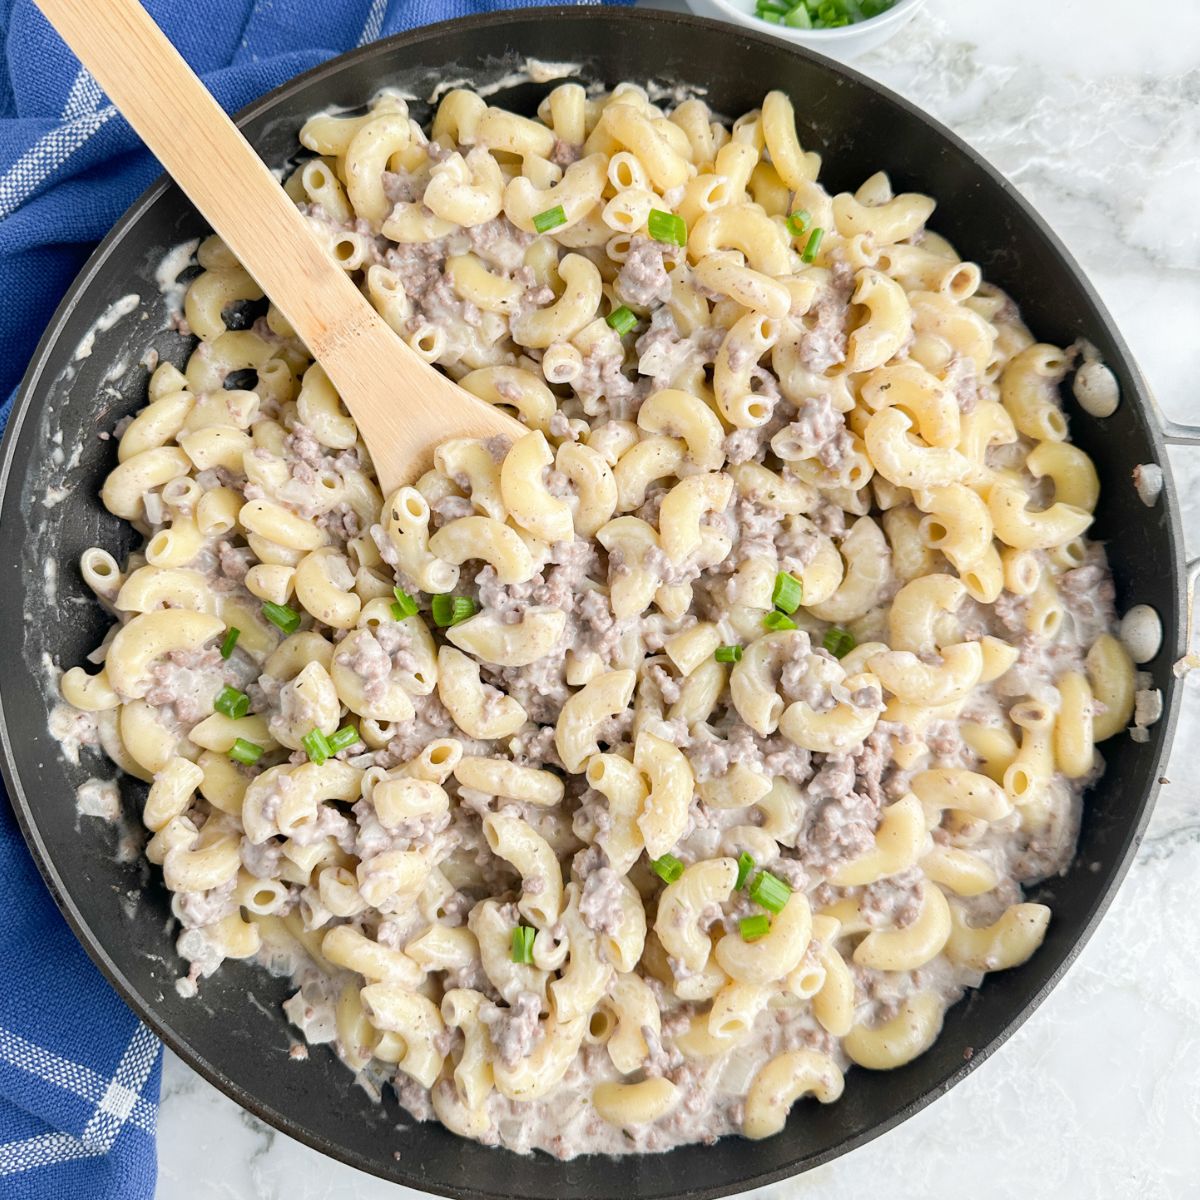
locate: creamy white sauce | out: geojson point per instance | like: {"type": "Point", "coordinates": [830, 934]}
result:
{"type": "Point", "coordinates": [74, 731]}
{"type": "Point", "coordinates": [119, 370]}
{"type": "Point", "coordinates": [533, 70]}
{"type": "Point", "coordinates": [55, 493]}
{"type": "Point", "coordinates": [674, 93]}
{"type": "Point", "coordinates": [167, 273]}
{"type": "Point", "coordinates": [98, 798]}
{"type": "Point", "coordinates": [548, 72]}
{"type": "Point", "coordinates": [104, 322]}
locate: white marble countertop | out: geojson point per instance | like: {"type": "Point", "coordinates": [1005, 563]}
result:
{"type": "Point", "coordinates": [1092, 107]}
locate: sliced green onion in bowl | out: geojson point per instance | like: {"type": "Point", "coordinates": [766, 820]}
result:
{"type": "Point", "coordinates": [776, 621]}
{"type": "Point", "coordinates": [818, 15]}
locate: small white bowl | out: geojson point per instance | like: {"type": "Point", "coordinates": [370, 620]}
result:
{"type": "Point", "coordinates": [845, 43]}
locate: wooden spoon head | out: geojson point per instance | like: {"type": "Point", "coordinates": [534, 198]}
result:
{"type": "Point", "coordinates": [403, 407]}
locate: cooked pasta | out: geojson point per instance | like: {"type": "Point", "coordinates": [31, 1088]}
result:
{"type": "Point", "coordinates": [624, 784]}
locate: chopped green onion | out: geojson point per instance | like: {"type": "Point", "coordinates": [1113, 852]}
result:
{"type": "Point", "coordinates": [666, 227]}
{"type": "Point", "coordinates": [405, 605]}
{"type": "Point", "coordinates": [769, 891]}
{"type": "Point", "coordinates": [622, 319]}
{"type": "Point", "coordinates": [820, 14]}
{"type": "Point", "coordinates": [282, 617]}
{"type": "Point", "coordinates": [231, 702]}
{"type": "Point", "coordinates": [797, 223]}
{"type": "Point", "coordinates": [752, 928]}
{"type": "Point", "coordinates": [316, 747]}
{"type": "Point", "coordinates": [776, 621]}
{"type": "Point", "coordinates": [450, 610]}
{"type": "Point", "coordinates": [552, 218]}
{"type": "Point", "coordinates": [788, 593]}
{"type": "Point", "coordinates": [246, 753]}
{"type": "Point", "coordinates": [839, 642]}
{"type": "Point", "coordinates": [522, 943]}
{"type": "Point", "coordinates": [728, 654]}
{"type": "Point", "coordinates": [230, 641]}
{"type": "Point", "coordinates": [745, 866]}
{"type": "Point", "coordinates": [343, 739]}
{"type": "Point", "coordinates": [812, 245]}
{"type": "Point", "coordinates": [668, 868]}
{"type": "Point", "coordinates": [442, 609]}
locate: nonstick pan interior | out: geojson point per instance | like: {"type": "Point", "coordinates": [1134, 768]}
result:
{"type": "Point", "coordinates": [234, 1032]}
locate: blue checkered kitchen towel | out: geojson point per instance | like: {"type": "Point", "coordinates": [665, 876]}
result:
{"type": "Point", "coordinates": [79, 1075]}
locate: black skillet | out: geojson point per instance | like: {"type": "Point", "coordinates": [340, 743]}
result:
{"type": "Point", "coordinates": [234, 1034]}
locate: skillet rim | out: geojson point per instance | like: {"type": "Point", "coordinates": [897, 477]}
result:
{"type": "Point", "coordinates": [1141, 397]}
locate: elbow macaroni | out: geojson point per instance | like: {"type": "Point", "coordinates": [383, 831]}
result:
{"type": "Point", "coordinates": [514, 875]}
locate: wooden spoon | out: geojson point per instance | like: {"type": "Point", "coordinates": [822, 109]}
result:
{"type": "Point", "coordinates": [403, 407]}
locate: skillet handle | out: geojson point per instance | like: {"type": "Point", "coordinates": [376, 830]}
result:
{"type": "Point", "coordinates": [1175, 433]}
{"type": "Point", "coordinates": [1191, 658]}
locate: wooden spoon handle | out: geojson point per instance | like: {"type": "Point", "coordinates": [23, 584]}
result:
{"type": "Point", "coordinates": [203, 151]}
{"type": "Point", "coordinates": [371, 368]}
